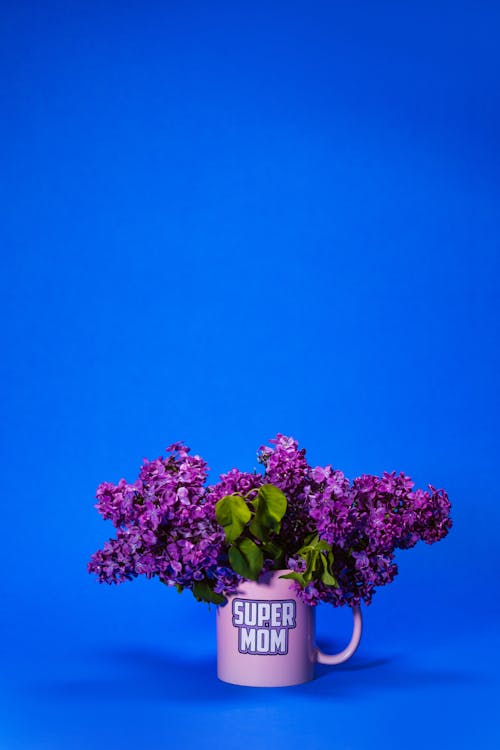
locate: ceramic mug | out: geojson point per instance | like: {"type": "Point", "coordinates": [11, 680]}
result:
{"type": "Point", "coordinates": [265, 635]}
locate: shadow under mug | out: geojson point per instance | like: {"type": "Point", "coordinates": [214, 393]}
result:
{"type": "Point", "coordinates": [266, 636]}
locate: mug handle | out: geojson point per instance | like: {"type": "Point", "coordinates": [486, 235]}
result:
{"type": "Point", "coordinates": [323, 658]}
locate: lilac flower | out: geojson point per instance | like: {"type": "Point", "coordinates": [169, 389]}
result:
{"type": "Point", "coordinates": [286, 467]}
{"type": "Point", "coordinates": [364, 521]}
{"type": "Point", "coordinates": [234, 482]}
{"type": "Point", "coordinates": [166, 526]}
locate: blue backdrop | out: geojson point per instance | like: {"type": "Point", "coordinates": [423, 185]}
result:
{"type": "Point", "coordinates": [220, 221]}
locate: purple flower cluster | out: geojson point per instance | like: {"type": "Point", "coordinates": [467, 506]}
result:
{"type": "Point", "coordinates": [286, 467]}
{"type": "Point", "coordinates": [166, 526]}
{"type": "Point", "coordinates": [364, 521]}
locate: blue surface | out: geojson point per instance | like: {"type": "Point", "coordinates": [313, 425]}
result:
{"type": "Point", "coordinates": [221, 221]}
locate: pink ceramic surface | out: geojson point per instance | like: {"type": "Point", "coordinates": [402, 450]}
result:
{"type": "Point", "coordinates": [265, 636]}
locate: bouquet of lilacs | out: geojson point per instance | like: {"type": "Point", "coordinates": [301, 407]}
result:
{"type": "Point", "coordinates": [333, 538]}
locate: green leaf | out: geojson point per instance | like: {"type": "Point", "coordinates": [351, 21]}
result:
{"type": "Point", "coordinates": [326, 575]}
{"type": "Point", "coordinates": [270, 507]}
{"type": "Point", "coordinates": [259, 531]}
{"type": "Point", "coordinates": [312, 541]}
{"type": "Point", "coordinates": [310, 538]}
{"type": "Point", "coordinates": [246, 558]}
{"type": "Point", "coordinates": [311, 559]}
{"type": "Point", "coordinates": [273, 500]}
{"type": "Point", "coordinates": [204, 593]}
{"type": "Point", "coordinates": [233, 514]}
{"type": "Point", "coordinates": [273, 550]}
{"type": "Point", "coordinates": [323, 546]}
{"type": "Point", "coordinates": [318, 564]}
{"type": "Point", "coordinates": [295, 577]}
{"type": "Point", "coordinates": [328, 579]}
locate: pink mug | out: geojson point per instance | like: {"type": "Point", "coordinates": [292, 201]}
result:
{"type": "Point", "coordinates": [265, 635]}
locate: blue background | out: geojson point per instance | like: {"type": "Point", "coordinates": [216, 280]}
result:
{"type": "Point", "coordinates": [220, 221]}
